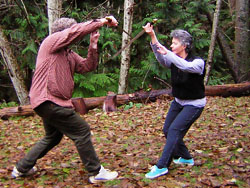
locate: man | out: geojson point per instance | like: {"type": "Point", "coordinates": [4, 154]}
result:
{"type": "Point", "coordinates": [51, 92]}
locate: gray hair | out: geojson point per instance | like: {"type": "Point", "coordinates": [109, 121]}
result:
{"type": "Point", "coordinates": [184, 37]}
{"type": "Point", "coordinates": [61, 24]}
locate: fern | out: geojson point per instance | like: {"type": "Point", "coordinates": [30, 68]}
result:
{"type": "Point", "coordinates": [92, 84]}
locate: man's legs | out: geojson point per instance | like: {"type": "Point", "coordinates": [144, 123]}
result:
{"type": "Point", "coordinates": [52, 138]}
{"type": "Point", "coordinates": [60, 120]}
{"type": "Point", "coordinates": [68, 122]}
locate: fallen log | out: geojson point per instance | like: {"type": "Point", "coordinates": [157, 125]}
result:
{"type": "Point", "coordinates": [84, 104]}
{"type": "Point", "coordinates": [233, 90]}
{"type": "Point", "coordinates": [25, 110]}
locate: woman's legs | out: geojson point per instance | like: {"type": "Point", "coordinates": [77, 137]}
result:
{"type": "Point", "coordinates": [176, 131]}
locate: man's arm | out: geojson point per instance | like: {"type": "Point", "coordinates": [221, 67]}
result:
{"type": "Point", "coordinates": [62, 39]}
{"type": "Point", "coordinates": [90, 63]}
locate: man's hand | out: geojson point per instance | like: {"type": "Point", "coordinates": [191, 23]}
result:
{"type": "Point", "coordinates": [94, 39]}
{"type": "Point", "coordinates": [109, 20]}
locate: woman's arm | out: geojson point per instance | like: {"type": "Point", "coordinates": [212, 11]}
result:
{"type": "Point", "coordinates": [155, 45]}
{"type": "Point", "coordinates": [195, 66]}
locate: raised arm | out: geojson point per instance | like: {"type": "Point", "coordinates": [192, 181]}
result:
{"type": "Point", "coordinates": [90, 63]}
{"type": "Point", "coordinates": [155, 45]}
{"type": "Point", "coordinates": [62, 39]}
{"type": "Point", "coordinates": [148, 28]}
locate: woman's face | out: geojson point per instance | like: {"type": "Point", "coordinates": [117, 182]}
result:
{"type": "Point", "coordinates": [177, 47]}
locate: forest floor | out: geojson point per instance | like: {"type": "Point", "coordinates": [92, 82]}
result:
{"type": "Point", "coordinates": [131, 140]}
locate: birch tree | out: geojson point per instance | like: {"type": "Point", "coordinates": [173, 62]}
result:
{"type": "Point", "coordinates": [125, 55]}
{"type": "Point", "coordinates": [213, 40]}
{"type": "Point", "coordinates": [54, 11]}
{"type": "Point", "coordinates": [14, 71]}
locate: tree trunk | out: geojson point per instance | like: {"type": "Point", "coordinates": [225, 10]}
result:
{"type": "Point", "coordinates": [85, 104]}
{"type": "Point", "coordinates": [226, 51]}
{"type": "Point", "coordinates": [125, 55]}
{"type": "Point", "coordinates": [54, 11]}
{"type": "Point", "coordinates": [242, 32]}
{"type": "Point", "coordinates": [231, 5]}
{"type": "Point", "coordinates": [11, 64]}
{"type": "Point", "coordinates": [212, 43]}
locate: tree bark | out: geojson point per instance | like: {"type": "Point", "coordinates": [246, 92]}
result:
{"type": "Point", "coordinates": [213, 40]}
{"type": "Point", "coordinates": [125, 55]}
{"type": "Point", "coordinates": [11, 64]}
{"type": "Point", "coordinates": [54, 11]}
{"type": "Point", "coordinates": [85, 104]}
{"type": "Point", "coordinates": [242, 32]}
{"type": "Point", "coordinates": [231, 5]}
{"type": "Point", "coordinates": [110, 103]}
{"type": "Point", "coordinates": [226, 51]}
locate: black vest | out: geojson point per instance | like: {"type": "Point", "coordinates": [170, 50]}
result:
{"type": "Point", "coordinates": [187, 85]}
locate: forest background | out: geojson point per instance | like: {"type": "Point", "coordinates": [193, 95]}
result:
{"type": "Point", "coordinates": [219, 140]}
{"type": "Point", "coordinates": [25, 25]}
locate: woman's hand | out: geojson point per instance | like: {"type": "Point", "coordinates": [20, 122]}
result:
{"type": "Point", "coordinates": [94, 36]}
{"type": "Point", "coordinates": [162, 49]}
{"type": "Point", "coordinates": [148, 28]}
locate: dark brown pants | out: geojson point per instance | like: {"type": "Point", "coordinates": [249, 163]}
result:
{"type": "Point", "coordinates": [59, 121]}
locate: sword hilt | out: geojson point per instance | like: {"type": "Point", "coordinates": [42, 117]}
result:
{"type": "Point", "coordinates": [108, 19]}
{"type": "Point", "coordinates": [154, 21]}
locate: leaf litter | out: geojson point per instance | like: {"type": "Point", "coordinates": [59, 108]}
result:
{"type": "Point", "coordinates": [130, 141]}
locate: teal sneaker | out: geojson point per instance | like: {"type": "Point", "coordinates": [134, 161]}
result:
{"type": "Point", "coordinates": [156, 172]}
{"type": "Point", "coordinates": [184, 161]}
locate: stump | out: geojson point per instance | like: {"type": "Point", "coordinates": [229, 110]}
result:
{"type": "Point", "coordinates": [110, 103]}
{"type": "Point", "coordinates": [79, 105]}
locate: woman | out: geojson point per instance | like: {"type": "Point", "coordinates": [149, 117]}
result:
{"type": "Point", "coordinates": [187, 77]}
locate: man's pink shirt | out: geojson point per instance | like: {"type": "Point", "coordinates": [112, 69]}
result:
{"type": "Point", "coordinates": [56, 64]}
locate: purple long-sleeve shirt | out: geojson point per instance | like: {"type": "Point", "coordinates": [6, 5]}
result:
{"type": "Point", "coordinates": [196, 66]}
{"type": "Point", "coordinates": [56, 64]}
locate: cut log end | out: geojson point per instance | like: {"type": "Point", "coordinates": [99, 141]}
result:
{"type": "Point", "coordinates": [80, 105]}
{"type": "Point", "coordinates": [110, 103]}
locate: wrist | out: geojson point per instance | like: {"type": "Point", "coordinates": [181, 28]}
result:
{"type": "Point", "coordinates": [152, 34]}
{"type": "Point", "coordinates": [103, 20]}
{"type": "Point", "coordinates": [93, 45]}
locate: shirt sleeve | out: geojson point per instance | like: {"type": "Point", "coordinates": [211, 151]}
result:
{"type": "Point", "coordinates": [83, 65]}
{"type": "Point", "coordinates": [70, 35]}
{"type": "Point", "coordinates": [195, 66]}
{"type": "Point", "coordinates": [160, 57]}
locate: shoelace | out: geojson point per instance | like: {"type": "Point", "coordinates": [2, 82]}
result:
{"type": "Point", "coordinates": [179, 159]}
{"type": "Point", "coordinates": [152, 168]}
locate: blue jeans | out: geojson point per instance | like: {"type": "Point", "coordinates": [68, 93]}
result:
{"type": "Point", "coordinates": [178, 121]}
